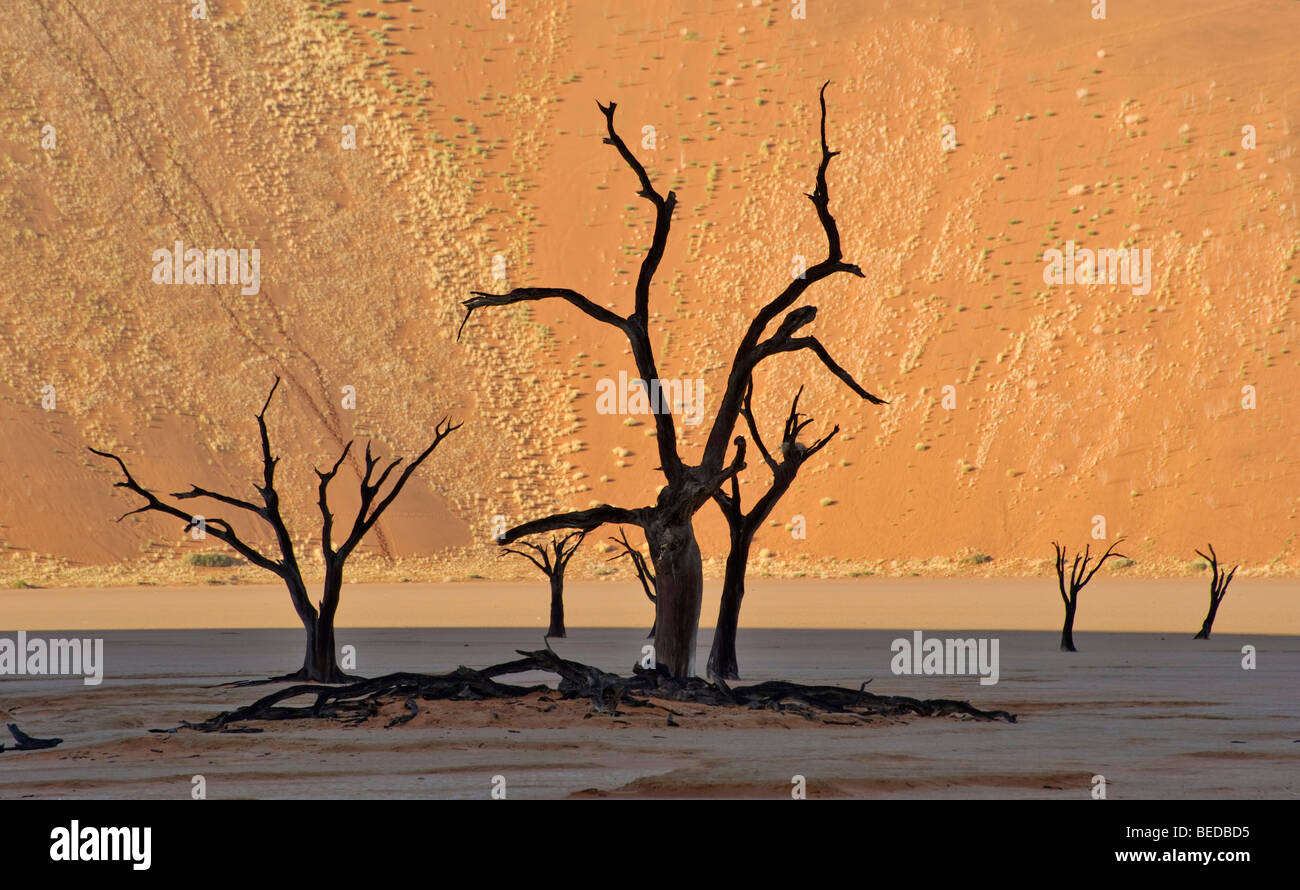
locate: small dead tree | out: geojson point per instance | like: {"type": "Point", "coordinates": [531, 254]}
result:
{"type": "Point", "coordinates": [553, 558]}
{"type": "Point", "coordinates": [668, 523]}
{"type": "Point", "coordinates": [643, 573]}
{"type": "Point", "coordinates": [1079, 578]}
{"type": "Point", "coordinates": [320, 664]}
{"type": "Point", "coordinates": [1218, 590]}
{"type": "Point", "coordinates": [743, 526]}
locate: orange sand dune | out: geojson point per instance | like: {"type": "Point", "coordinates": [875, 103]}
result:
{"type": "Point", "coordinates": [478, 151]}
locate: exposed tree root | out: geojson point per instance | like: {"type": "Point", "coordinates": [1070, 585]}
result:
{"type": "Point", "coordinates": [299, 676]}
{"type": "Point", "coordinates": [26, 742]}
{"type": "Point", "coordinates": [356, 702]}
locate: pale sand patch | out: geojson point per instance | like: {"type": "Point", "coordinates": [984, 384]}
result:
{"type": "Point", "coordinates": [1253, 605]}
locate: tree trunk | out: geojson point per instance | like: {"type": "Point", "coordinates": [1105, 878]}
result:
{"type": "Point", "coordinates": [1207, 624]}
{"type": "Point", "coordinates": [679, 588]}
{"type": "Point", "coordinates": [320, 664]}
{"type": "Point", "coordinates": [722, 657]}
{"type": "Point", "coordinates": [1067, 632]}
{"type": "Point", "coordinates": [557, 607]}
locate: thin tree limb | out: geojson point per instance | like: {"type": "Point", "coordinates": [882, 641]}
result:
{"type": "Point", "coordinates": [663, 218]}
{"type": "Point", "coordinates": [585, 520]}
{"type": "Point", "coordinates": [535, 294]}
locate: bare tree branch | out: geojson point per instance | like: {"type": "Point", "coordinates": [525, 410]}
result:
{"type": "Point", "coordinates": [816, 347]}
{"type": "Point", "coordinates": [1220, 580]}
{"type": "Point", "coordinates": [747, 410]}
{"type": "Point", "coordinates": [584, 520]}
{"type": "Point", "coordinates": [197, 492]}
{"type": "Point", "coordinates": [729, 472]}
{"type": "Point", "coordinates": [1060, 571]}
{"type": "Point", "coordinates": [1110, 551]}
{"type": "Point", "coordinates": [820, 351]}
{"type": "Point", "coordinates": [544, 565]}
{"type": "Point", "coordinates": [564, 550]}
{"type": "Point", "coordinates": [287, 566]}
{"type": "Point", "coordinates": [663, 218]}
{"type": "Point", "coordinates": [821, 443]}
{"type": "Point", "coordinates": [322, 498]}
{"type": "Point", "coordinates": [536, 294]}
{"type": "Point", "coordinates": [742, 364]}
{"type": "Point", "coordinates": [821, 194]}
{"type": "Point", "coordinates": [270, 496]}
{"type": "Point", "coordinates": [643, 572]}
{"type": "Point", "coordinates": [220, 529]}
{"type": "Point", "coordinates": [363, 523]}
{"type": "Point", "coordinates": [554, 555]}
{"type": "Point", "coordinates": [793, 456]}
{"type": "Point", "coordinates": [639, 321]}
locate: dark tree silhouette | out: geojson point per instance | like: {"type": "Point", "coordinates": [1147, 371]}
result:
{"type": "Point", "coordinates": [743, 526]}
{"type": "Point", "coordinates": [553, 558]}
{"type": "Point", "coordinates": [320, 663]}
{"type": "Point", "coordinates": [644, 574]}
{"type": "Point", "coordinates": [667, 523]}
{"type": "Point", "coordinates": [1079, 578]}
{"type": "Point", "coordinates": [1218, 590]}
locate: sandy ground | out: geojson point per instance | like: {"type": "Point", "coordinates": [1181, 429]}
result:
{"type": "Point", "coordinates": [1160, 716]}
{"type": "Point", "coordinates": [1108, 603]}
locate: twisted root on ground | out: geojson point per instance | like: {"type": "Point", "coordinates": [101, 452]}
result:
{"type": "Point", "coordinates": [358, 701]}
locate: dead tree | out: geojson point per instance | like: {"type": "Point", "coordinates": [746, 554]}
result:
{"type": "Point", "coordinates": [1079, 578]}
{"type": "Point", "coordinates": [553, 558]}
{"type": "Point", "coordinates": [644, 574]}
{"type": "Point", "coordinates": [1218, 590]}
{"type": "Point", "coordinates": [320, 662]}
{"type": "Point", "coordinates": [743, 526]}
{"type": "Point", "coordinates": [667, 523]}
